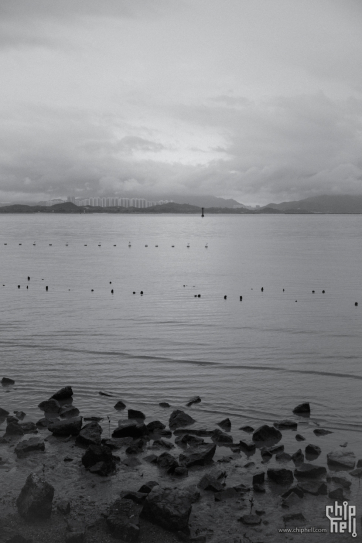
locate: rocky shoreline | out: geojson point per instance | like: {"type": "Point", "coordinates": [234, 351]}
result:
{"type": "Point", "coordinates": [169, 480]}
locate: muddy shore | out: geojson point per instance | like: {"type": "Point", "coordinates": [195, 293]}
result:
{"type": "Point", "coordinates": [255, 486]}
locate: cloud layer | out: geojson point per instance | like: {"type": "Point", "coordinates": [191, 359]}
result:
{"type": "Point", "coordinates": [257, 101]}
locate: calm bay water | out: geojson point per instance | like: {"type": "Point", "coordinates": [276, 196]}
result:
{"type": "Point", "coordinates": [252, 361]}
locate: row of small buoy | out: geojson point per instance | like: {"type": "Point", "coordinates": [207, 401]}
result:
{"type": "Point", "coordinates": [129, 245]}
{"type": "Point", "coordinates": [195, 295]}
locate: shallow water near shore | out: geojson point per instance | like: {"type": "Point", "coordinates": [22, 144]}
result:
{"type": "Point", "coordinates": [252, 360]}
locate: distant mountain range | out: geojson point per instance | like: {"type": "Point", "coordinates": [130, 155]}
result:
{"type": "Point", "coordinates": [206, 201]}
{"type": "Point", "coordinates": [326, 203]}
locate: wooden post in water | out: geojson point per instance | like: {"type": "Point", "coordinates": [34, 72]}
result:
{"type": "Point", "coordinates": [202, 212]}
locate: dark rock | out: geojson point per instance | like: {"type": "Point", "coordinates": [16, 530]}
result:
{"type": "Point", "coordinates": [28, 427]}
{"type": "Point", "coordinates": [131, 462]}
{"type": "Point", "coordinates": [342, 481]}
{"type": "Point", "coordinates": [93, 419]}
{"type": "Point", "coordinates": [188, 439]}
{"type": "Point", "coordinates": [294, 490]}
{"type": "Point", "coordinates": [250, 520]}
{"type": "Point", "coordinates": [3, 413]}
{"type": "Point", "coordinates": [11, 418]}
{"type": "Point", "coordinates": [283, 457]}
{"type": "Point", "coordinates": [315, 488]}
{"type": "Point", "coordinates": [147, 487]}
{"type": "Point", "coordinates": [68, 411]}
{"type": "Point", "coordinates": [179, 419]}
{"type": "Point", "coordinates": [162, 443]}
{"type": "Point", "coordinates": [167, 461]}
{"type": "Point", "coordinates": [136, 447]}
{"type": "Point", "coordinates": [356, 472]}
{"type": "Point", "coordinates": [164, 404]}
{"type": "Point", "coordinates": [63, 393]}
{"type": "Point", "coordinates": [227, 494]}
{"type": "Point", "coordinates": [123, 520]}
{"type": "Point", "coordinates": [321, 432]}
{"type": "Point", "coordinates": [194, 432]}
{"type": "Point", "coordinates": [50, 406]}
{"type": "Point", "coordinates": [299, 437]}
{"type": "Point", "coordinates": [105, 394]}
{"type": "Point", "coordinates": [181, 471]}
{"type": "Point", "coordinates": [29, 445]}
{"type": "Point", "coordinates": [267, 433]}
{"type": "Point", "coordinates": [155, 426]}
{"type": "Point", "coordinates": [90, 434]}
{"type": "Point", "coordinates": [258, 488]}
{"type": "Point", "coordinates": [168, 507]}
{"type": "Point", "coordinates": [303, 408]}
{"type": "Point", "coordinates": [208, 482]}
{"type": "Point", "coordinates": [248, 446]}
{"type": "Point", "coordinates": [336, 494]}
{"type": "Point", "coordinates": [280, 476]}
{"type": "Point", "coordinates": [359, 463]}
{"type": "Point", "coordinates": [259, 478]}
{"type": "Point", "coordinates": [298, 457]}
{"type": "Point", "coordinates": [266, 455]}
{"type": "Point", "coordinates": [151, 458]}
{"type": "Point", "coordinates": [75, 537]}
{"type": "Point", "coordinates": [272, 450]}
{"type": "Point", "coordinates": [35, 499]}
{"type": "Point", "coordinates": [99, 454]}
{"type": "Point", "coordinates": [68, 459]}
{"type": "Point", "coordinates": [248, 429]}
{"type": "Point", "coordinates": [130, 428]}
{"type": "Point", "coordinates": [164, 433]}
{"type": "Point", "coordinates": [44, 423]}
{"type": "Point", "coordinates": [286, 424]}
{"type": "Point", "coordinates": [310, 471]}
{"type": "Point", "coordinates": [66, 427]}
{"type": "Point", "coordinates": [342, 459]}
{"type": "Point", "coordinates": [14, 429]}
{"type": "Point", "coordinates": [20, 414]}
{"type": "Point", "coordinates": [7, 381]}
{"type": "Point", "coordinates": [249, 465]}
{"type": "Point", "coordinates": [136, 497]}
{"type": "Point", "coordinates": [63, 507]}
{"type": "Point", "coordinates": [120, 405]}
{"type": "Point", "coordinates": [312, 451]}
{"type": "Point", "coordinates": [134, 414]}
{"type": "Point", "coordinates": [199, 455]}
{"type": "Point", "coordinates": [242, 488]}
{"type": "Point", "coordinates": [220, 437]}
{"type": "Point", "coordinates": [225, 424]}
{"type": "Point", "coordinates": [195, 399]}
{"type": "Point", "coordinates": [117, 443]}
{"type": "Point", "coordinates": [291, 501]}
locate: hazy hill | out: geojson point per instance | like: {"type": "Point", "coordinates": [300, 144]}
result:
{"type": "Point", "coordinates": [325, 203]}
{"type": "Point", "coordinates": [206, 201]}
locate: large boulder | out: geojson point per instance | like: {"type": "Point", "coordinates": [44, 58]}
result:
{"type": "Point", "coordinates": [280, 476]}
{"type": "Point", "coordinates": [169, 508]}
{"type": "Point", "coordinates": [167, 461]}
{"type": "Point", "coordinates": [3, 413]}
{"type": "Point", "coordinates": [134, 414]}
{"type": "Point", "coordinates": [221, 438]}
{"type": "Point", "coordinates": [28, 427]}
{"type": "Point", "coordinates": [7, 381]}
{"type": "Point", "coordinates": [225, 424]}
{"type": "Point", "coordinates": [90, 434]}
{"type": "Point", "coordinates": [50, 406]}
{"type": "Point", "coordinates": [35, 499]}
{"type": "Point", "coordinates": [302, 409]}
{"type": "Point", "coordinates": [155, 426]}
{"type": "Point", "coordinates": [66, 427]}
{"type": "Point", "coordinates": [341, 459]}
{"type": "Point", "coordinates": [180, 419]}
{"type": "Point", "coordinates": [69, 411]}
{"type": "Point", "coordinates": [99, 459]}
{"type": "Point", "coordinates": [312, 451]}
{"type": "Point", "coordinates": [199, 455]}
{"type": "Point", "coordinates": [130, 428]}
{"type": "Point", "coordinates": [310, 471]}
{"type": "Point", "coordinates": [123, 520]}
{"type": "Point", "coordinates": [63, 393]}
{"type": "Point", "coordinates": [315, 488]}
{"type": "Point", "coordinates": [267, 433]}
{"type": "Point", "coordinates": [29, 445]}
{"type": "Point", "coordinates": [14, 429]}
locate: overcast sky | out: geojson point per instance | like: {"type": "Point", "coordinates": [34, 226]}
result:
{"type": "Point", "coordinates": [258, 100]}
